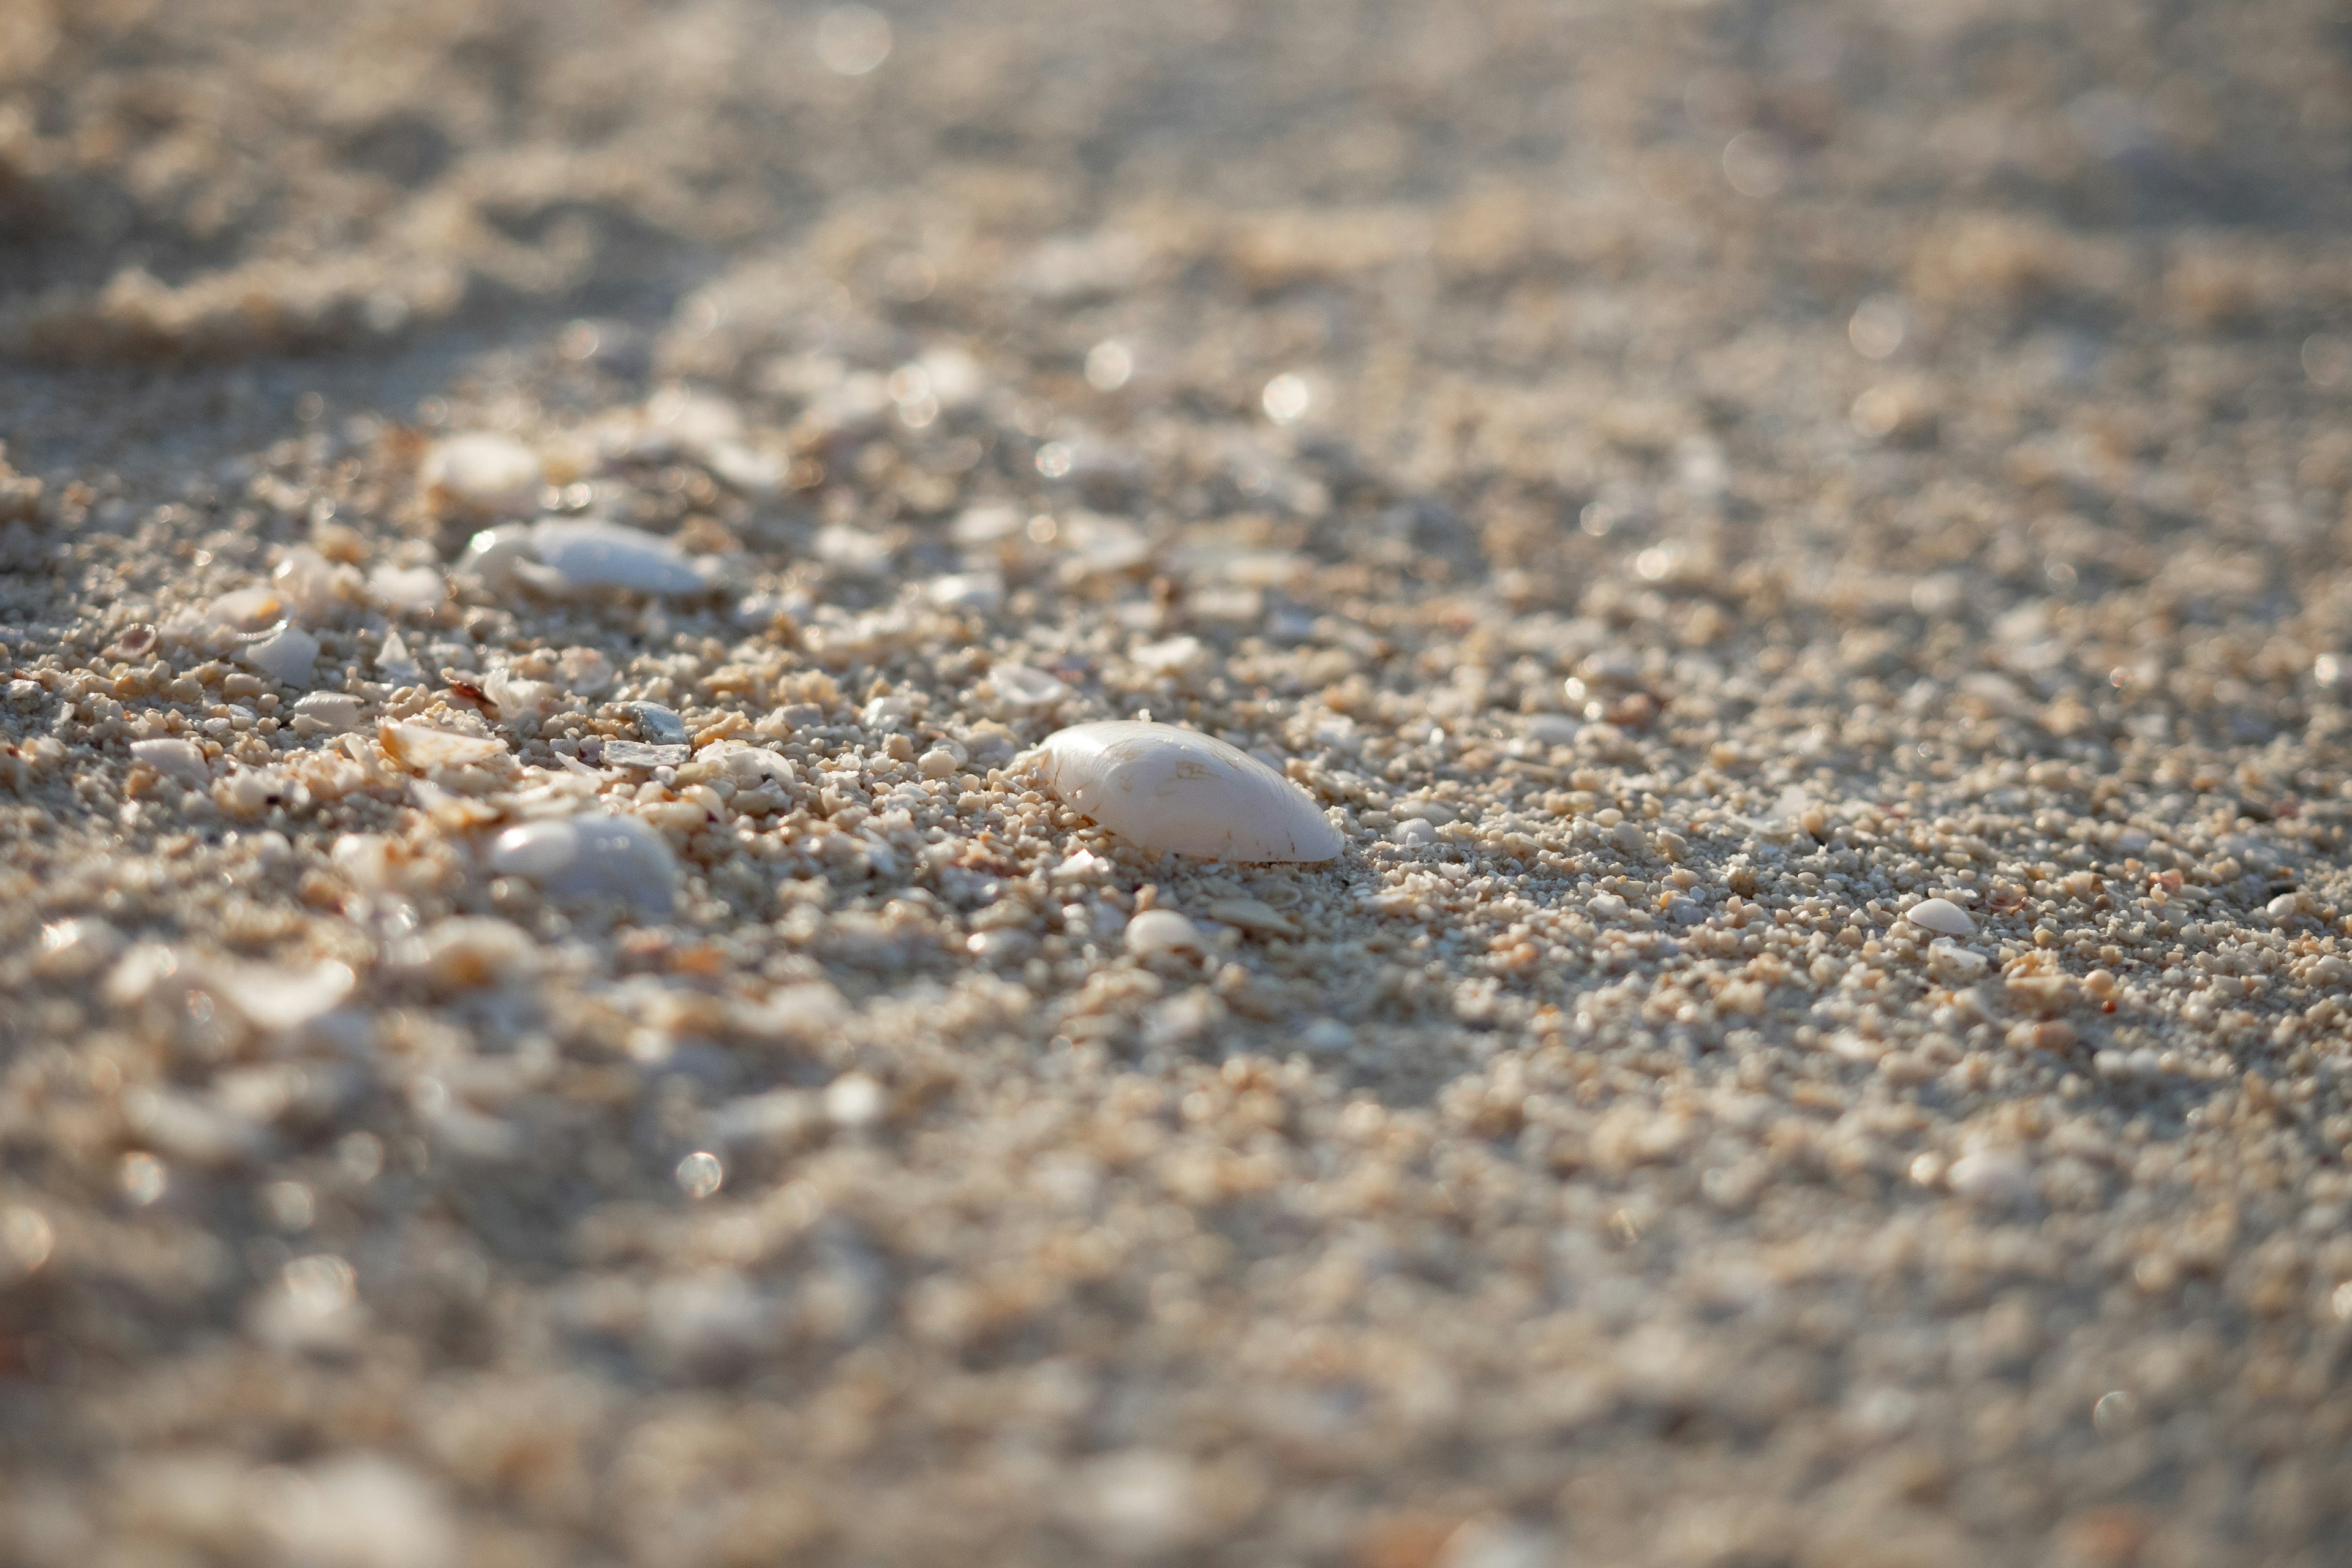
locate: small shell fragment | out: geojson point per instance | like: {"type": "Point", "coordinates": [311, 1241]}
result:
{"type": "Point", "coordinates": [178, 759]}
{"type": "Point", "coordinates": [1157, 931]}
{"type": "Point", "coordinates": [335, 710]}
{"type": "Point", "coordinates": [486, 474]}
{"type": "Point", "coordinates": [286, 656]}
{"type": "Point", "coordinates": [1942, 917]}
{"type": "Point", "coordinates": [565, 556]}
{"type": "Point", "coordinates": [421, 747]}
{"type": "Point", "coordinates": [592, 857]}
{"type": "Point", "coordinates": [1171, 789]}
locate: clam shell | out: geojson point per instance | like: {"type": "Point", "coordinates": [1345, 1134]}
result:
{"type": "Point", "coordinates": [1165, 788]}
{"type": "Point", "coordinates": [592, 857]}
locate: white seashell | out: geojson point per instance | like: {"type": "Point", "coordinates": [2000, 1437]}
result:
{"type": "Point", "coordinates": [583, 671]}
{"type": "Point", "coordinates": [1942, 917]}
{"type": "Point", "coordinates": [1174, 655]}
{"type": "Point", "coordinates": [71, 949]}
{"type": "Point", "coordinates": [512, 694]}
{"type": "Point", "coordinates": [1177, 790]}
{"type": "Point", "coordinates": [396, 664]}
{"type": "Point", "coordinates": [287, 656]}
{"type": "Point", "coordinates": [1996, 1178]}
{"type": "Point", "coordinates": [408, 587]}
{"type": "Point", "coordinates": [245, 610]}
{"type": "Point", "coordinates": [978, 592]}
{"type": "Point", "coordinates": [335, 710]}
{"type": "Point", "coordinates": [466, 952]}
{"type": "Point", "coordinates": [1026, 686]}
{"type": "Point", "coordinates": [592, 857]}
{"type": "Point", "coordinates": [276, 998]}
{"type": "Point", "coordinates": [492, 475]}
{"type": "Point", "coordinates": [306, 583]}
{"type": "Point", "coordinates": [181, 760]}
{"type": "Point", "coordinates": [421, 747]}
{"type": "Point", "coordinates": [1155, 932]}
{"type": "Point", "coordinates": [562, 556]}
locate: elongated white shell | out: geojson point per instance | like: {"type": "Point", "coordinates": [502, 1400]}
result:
{"type": "Point", "coordinates": [562, 556]}
{"type": "Point", "coordinates": [1165, 788]}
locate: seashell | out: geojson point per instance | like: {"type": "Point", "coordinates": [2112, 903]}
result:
{"type": "Point", "coordinates": [1942, 917]}
{"type": "Point", "coordinates": [287, 655]}
{"type": "Point", "coordinates": [513, 695]}
{"type": "Point", "coordinates": [1171, 789]}
{"type": "Point", "coordinates": [979, 591]}
{"type": "Point", "coordinates": [408, 587]}
{"type": "Point", "coordinates": [592, 857]}
{"type": "Point", "coordinates": [1252, 914]}
{"type": "Point", "coordinates": [1026, 686]}
{"type": "Point", "coordinates": [565, 556]}
{"type": "Point", "coordinates": [1157, 931]}
{"type": "Point", "coordinates": [335, 710]}
{"type": "Point", "coordinates": [583, 670]}
{"type": "Point", "coordinates": [642, 754]}
{"type": "Point", "coordinates": [466, 952]}
{"type": "Point", "coordinates": [421, 747]}
{"type": "Point", "coordinates": [181, 760]}
{"type": "Point", "coordinates": [481, 473]}
{"type": "Point", "coordinates": [75, 949]}
{"type": "Point", "coordinates": [396, 664]}
{"type": "Point", "coordinates": [660, 725]}
{"type": "Point", "coordinates": [1172, 656]}
{"type": "Point", "coordinates": [275, 998]}
{"type": "Point", "coordinates": [306, 583]}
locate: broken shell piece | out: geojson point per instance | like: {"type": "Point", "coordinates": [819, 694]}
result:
{"type": "Point", "coordinates": [396, 664]}
{"type": "Point", "coordinates": [1157, 931]}
{"type": "Point", "coordinates": [639, 754]}
{"type": "Point", "coordinates": [181, 760]}
{"type": "Point", "coordinates": [1177, 790]}
{"type": "Point", "coordinates": [565, 556]}
{"type": "Point", "coordinates": [1252, 914]}
{"type": "Point", "coordinates": [1942, 917]}
{"type": "Point", "coordinates": [275, 998]}
{"type": "Point", "coordinates": [286, 655]}
{"type": "Point", "coordinates": [481, 473]}
{"type": "Point", "coordinates": [421, 747]}
{"type": "Point", "coordinates": [592, 857]}
{"type": "Point", "coordinates": [335, 710]}
{"type": "Point", "coordinates": [583, 670]}
{"type": "Point", "coordinates": [512, 695]}
{"type": "Point", "coordinates": [1024, 685]}
{"type": "Point", "coordinates": [408, 587]}
{"type": "Point", "coordinates": [306, 583]}
{"type": "Point", "coordinates": [660, 725]}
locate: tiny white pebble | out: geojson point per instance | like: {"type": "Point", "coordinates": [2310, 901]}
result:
{"type": "Point", "coordinates": [178, 759]}
{"type": "Point", "coordinates": [1942, 917]}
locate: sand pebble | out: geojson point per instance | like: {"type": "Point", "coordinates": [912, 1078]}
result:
{"type": "Point", "coordinates": [482, 473]}
{"type": "Point", "coordinates": [1166, 788]}
{"type": "Point", "coordinates": [592, 857]}
{"type": "Point", "coordinates": [74, 948]}
{"type": "Point", "coordinates": [1942, 917]}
